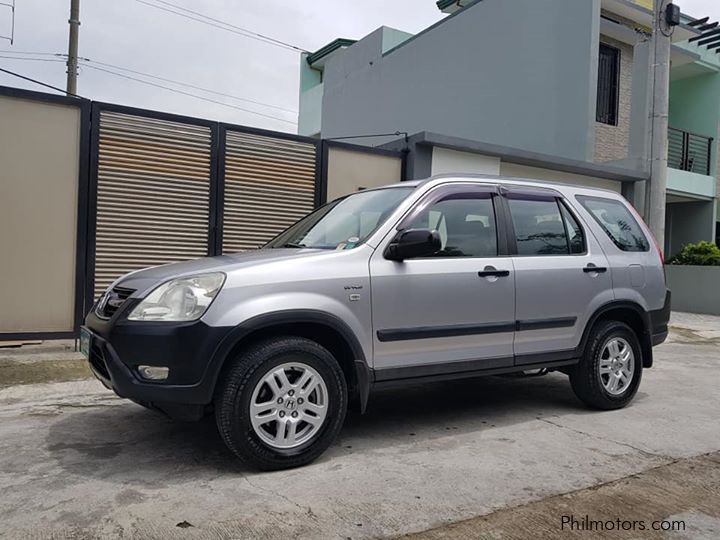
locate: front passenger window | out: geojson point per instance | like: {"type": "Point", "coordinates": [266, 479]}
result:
{"type": "Point", "coordinates": [465, 222]}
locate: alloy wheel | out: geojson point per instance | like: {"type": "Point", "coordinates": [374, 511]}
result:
{"type": "Point", "coordinates": [617, 366]}
{"type": "Point", "coordinates": [289, 405]}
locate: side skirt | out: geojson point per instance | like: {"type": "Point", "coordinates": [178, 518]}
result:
{"type": "Point", "coordinates": [409, 376]}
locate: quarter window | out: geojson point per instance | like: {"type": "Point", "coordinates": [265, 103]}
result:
{"type": "Point", "coordinates": [466, 223]}
{"type": "Point", "coordinates": [576, 240]}
{"type": "Point", "coordinates": [618, 223]}
{"type": "Point", "coordinates": [539, 227]}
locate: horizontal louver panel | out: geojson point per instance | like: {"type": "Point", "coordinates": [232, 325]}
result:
{"type": "Point", "coordinates": [153, 194]}
{"type": "Point", "coordinates": [269, 185]}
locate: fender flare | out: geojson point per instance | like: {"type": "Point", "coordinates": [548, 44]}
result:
{"type": "Point", "coordinates": [645, 339]}
{"type": "Point", "coordinates": [360, 366]}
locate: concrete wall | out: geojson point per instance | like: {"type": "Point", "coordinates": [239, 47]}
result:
{"type": "Point", "coordinates": [39, 157]}
{"type": "Point", "coordinates": [691, 183]}
{"type": "Point", "coordinates": [688, 222]}
{"type": "Point", "coordinates": [612, 142]}
{"type": "Point", "coordinates": [694, 288]}
{"type": "Point", "coordinates": [508, 84]}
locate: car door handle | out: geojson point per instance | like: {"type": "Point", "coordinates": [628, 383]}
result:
{"type": "Point", "coordinates": [592, 268]}
{"type": "Point", "coordinates": [491, 272]}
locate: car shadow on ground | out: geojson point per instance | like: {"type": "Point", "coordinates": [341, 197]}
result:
{"type": "Point", "coordinates": [125, 440]}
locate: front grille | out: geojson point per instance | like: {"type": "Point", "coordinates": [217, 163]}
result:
{"type": "Point", "coordinates": [97, 360]}
{"type": "Point", "coordinates": [112, 301]}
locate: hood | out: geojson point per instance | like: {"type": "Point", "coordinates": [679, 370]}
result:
{"type": "Point", "coordinates": [142, 280]}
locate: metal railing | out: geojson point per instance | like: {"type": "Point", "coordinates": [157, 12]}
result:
{"type": "Point", "coordinates": [689, 151]}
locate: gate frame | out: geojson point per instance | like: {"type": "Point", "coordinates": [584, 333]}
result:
{"type": "Point", "coordinates": [81, 229]}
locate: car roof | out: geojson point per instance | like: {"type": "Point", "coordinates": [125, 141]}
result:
{"type": "Point", "coordinates": [496, 179]}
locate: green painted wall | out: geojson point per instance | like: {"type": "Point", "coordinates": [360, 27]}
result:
{"type": "Point", "coordinates": [309, 77]}
{"type": "Point", "coordinates": [695, 107]}
{"type": "Point", "coordinates": [311, 91]}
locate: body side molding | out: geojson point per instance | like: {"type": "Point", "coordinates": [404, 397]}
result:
{"type": "Point", "coordinates": [429, 332]}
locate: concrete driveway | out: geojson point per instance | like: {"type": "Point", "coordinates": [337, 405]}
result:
{"type": "Point", "coordinates": [76, 462]}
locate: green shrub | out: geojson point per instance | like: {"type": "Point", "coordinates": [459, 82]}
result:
{"type": "Point", "coordinates": [701, 254]}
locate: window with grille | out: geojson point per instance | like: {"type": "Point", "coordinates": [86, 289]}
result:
{"type": "Point", "coordinates": [608, 85]}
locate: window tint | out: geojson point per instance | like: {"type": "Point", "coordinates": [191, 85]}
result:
{"type": "Point", "coordinates": [617, 222]}
{"type": "Point", "coordinates": [576, 240]}
{"type": "Point", "coordinates": [539, 229]}
{"type": "Point", "coordinates": [466, 223]}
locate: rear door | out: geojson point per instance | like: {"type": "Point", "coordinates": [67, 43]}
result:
{"type": "Point", "coordinates": [637, 270]}
{"type": "Point", "coordinates": [561, 274]}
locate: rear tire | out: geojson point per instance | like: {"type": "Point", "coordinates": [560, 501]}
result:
{"type": "Point", "coordinates": [610, 370]}
{"type": "Point", "coordinates": [281, 403]}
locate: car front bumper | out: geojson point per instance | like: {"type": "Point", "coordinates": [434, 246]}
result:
{"type": "Point", "coordinates": [191, 351]}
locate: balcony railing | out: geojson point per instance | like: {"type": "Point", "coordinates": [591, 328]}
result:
{"type": "Point", "coordinates": [689, 152]}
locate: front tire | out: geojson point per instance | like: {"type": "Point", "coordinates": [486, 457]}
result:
{"type": "Point", "coordinates": [281, 403]}
{"type": "Point", "coordinates": [610, 370]}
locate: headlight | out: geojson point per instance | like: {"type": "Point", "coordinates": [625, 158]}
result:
{"type": "Point", "coordinates": [182, 299]}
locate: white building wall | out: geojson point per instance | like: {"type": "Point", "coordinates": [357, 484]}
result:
{"type": "Point", "coordinates": [536, 173]}
{"type": "Point", "coordinates": [446, 161]}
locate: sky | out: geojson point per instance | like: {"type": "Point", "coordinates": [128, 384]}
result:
{"type": "Point", "coordinates": [133, 35]}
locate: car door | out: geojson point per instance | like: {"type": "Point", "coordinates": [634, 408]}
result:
{"type": "Point", "coordinates": [561, 274]}
{"type": "Point", "coordinates": [454, 311]}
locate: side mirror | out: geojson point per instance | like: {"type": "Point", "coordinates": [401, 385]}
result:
{"type": "Point", "coordinates": [413, 243]}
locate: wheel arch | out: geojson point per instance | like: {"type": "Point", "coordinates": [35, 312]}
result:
{"type": "Point", "coordinates": [632, 314]}
{"type": "Point", "coordinates": [324, 328]}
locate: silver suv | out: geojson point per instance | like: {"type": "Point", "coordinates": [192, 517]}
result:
{"type": "Point", "coordinates": [451, 277]}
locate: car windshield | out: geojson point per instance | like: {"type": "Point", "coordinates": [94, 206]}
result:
{"type": "Point", "coordinates": [343, 223]}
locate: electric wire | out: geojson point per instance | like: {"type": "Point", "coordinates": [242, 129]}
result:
{"type": "Point", "coordinates": [32, 59]}
{"type": "Point", "coordinates": [35, 53]}
{"type": "Point", "coordinates": [62, 57]}
{"type": "Point", "coordinates": [257, 34]}
{"type": "Point", "coordinates": [225, 26]}
{"type": "Point", "coordinates": [150, 83]}
{"type": "Point", "coordinates": [180, 83]}
{"type": "Point", "coordinates": [46, 85]}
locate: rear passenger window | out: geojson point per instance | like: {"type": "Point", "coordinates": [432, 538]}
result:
{"type": "Point", "coordinates": [618, 223]}
{"type": "Point", "coordinates": [539, 227]}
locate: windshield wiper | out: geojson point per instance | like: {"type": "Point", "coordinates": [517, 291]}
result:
{"type": "Point", "coordinates": [293, 245]}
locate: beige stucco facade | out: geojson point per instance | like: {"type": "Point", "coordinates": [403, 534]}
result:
{"type": "Point", "coordinates": [39, 160]}
{"type": "Point", "coordinates": [350, 171]}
